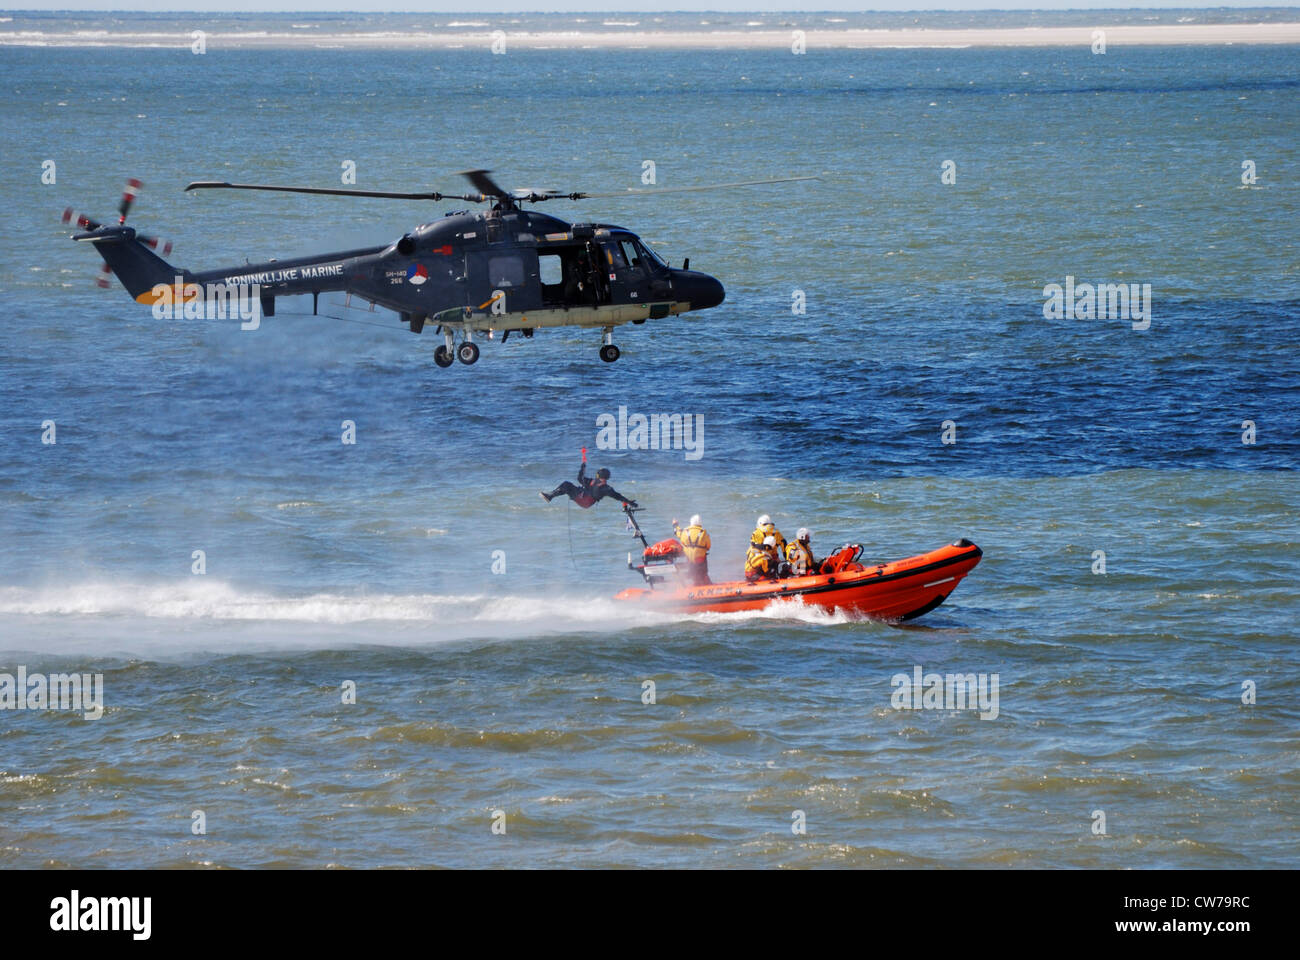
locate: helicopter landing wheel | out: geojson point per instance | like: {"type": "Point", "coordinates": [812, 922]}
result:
{"type": "Point", "coordinates": [609, 353]}
{"type": "Point", "coordinates": [467, 352]}
{"type": "Point", "coordinates": [442, 356]}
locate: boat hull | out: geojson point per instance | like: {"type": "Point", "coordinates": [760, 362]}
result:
{"type": "Point", "coordinates": [902, 590]}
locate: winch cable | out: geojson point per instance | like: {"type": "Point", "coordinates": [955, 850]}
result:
{"type": "Point", "coordinates": [568, 519]}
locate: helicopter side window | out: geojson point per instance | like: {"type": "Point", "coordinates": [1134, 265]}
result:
{"type": "Point", "coordinates": [550, 269]}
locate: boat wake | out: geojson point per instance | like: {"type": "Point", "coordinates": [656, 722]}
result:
{"type": "Point", "coordinates": [782, 609]}
{"type": "Point", "coordinates": [151, 618]}
{"type": "Point", "coordinates": [163, 619]}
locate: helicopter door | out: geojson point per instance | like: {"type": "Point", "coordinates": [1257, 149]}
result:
{"type": "Point", "coordinates": [629, 274]}
{"type": "Point", "coordinates": [512, 271]}
{"type": "Point", "coordinates": [572, 276]}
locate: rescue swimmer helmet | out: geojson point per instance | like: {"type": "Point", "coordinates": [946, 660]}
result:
{"type": "Point", "coordinates": [804, 534]}
{"type": "Point", "coordinates": [769, 541]}
{"type": "Point", "coordinates": [603, 473]}
{"type": "Point", "coordinates": [695, 520]}
{"type": "Point", "coordinates": [764, 520]}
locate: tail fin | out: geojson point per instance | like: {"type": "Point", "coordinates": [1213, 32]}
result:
{"type": "Point", "coordinates": [138, 267]}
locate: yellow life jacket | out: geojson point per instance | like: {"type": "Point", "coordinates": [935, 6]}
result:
{"type": "Point", "coordinates": [695, 543]}
{"type": "Point", "coordinates": [799, 556]}
{"type": "Point", "coordinates": [758, 563]}
{"type": "Point", "coordinates": [770, 530]}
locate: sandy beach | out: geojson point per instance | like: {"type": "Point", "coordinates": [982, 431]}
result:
{"type": "Point", "coordinates": [1019, 37]}
{"type": "Point", "coordinates": [764, 38]}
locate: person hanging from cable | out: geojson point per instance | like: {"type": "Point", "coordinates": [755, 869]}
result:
{"type": "Point", "coordinates": [588, 491]}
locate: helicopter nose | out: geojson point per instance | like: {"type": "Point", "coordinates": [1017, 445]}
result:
{"type": "Point", "coordinates": [700, 289]}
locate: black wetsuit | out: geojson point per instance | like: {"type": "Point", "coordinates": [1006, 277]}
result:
{"type": "Point", "coordinates": [587, 491]}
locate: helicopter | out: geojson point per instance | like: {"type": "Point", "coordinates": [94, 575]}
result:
{"type": "Point", "coordinates": [469, 273]}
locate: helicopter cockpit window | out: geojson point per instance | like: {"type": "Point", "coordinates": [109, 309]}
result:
{"type": "Point", "coordinates": [630, 253]}
{"type": "Point", "coordinates": [506, 271]}
{"type": "Point", "coordinates": [653, 258]}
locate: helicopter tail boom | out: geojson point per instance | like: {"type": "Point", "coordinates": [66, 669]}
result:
{"type": "Point", "coordinates": [138, 268]}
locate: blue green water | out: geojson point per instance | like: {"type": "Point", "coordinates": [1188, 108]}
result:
{"type": "Point", "coordinates": [522, 691]}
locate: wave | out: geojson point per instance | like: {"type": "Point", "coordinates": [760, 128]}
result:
{"type": "Point", "coordinates": [624, 34]}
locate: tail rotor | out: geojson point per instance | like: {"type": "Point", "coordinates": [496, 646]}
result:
{"type": "Point", "coordinates": [162, 247]}
{"type": "Point", "coordinates": [81, 221]}
{"type": "Point", "coordinates": [130, 193]}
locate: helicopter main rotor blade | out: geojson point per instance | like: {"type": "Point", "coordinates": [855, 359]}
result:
{"type": "Point", "coordinates": [637, 192]}
{"type": "Point", "coordinates": [331, 191]}
{"type": "Point", "coordinates": [483, 183]}
{"type": "Point", "coordinates": [488, 189]}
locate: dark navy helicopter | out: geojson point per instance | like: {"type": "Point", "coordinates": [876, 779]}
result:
{"type": "Point", "coordinates": [469, 273]}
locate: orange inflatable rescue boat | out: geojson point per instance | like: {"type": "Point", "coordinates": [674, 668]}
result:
{"type": "Point", "coordinates": [901, 590]}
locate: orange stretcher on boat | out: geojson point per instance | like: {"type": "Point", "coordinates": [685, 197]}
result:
{"type": "Point", "coordinates": [901, 590]}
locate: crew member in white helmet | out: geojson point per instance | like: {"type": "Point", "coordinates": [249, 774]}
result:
{"type": "Point", "coordinates": [798, 553]}
{"type": "Point", "coordinates": [695, 544]}
{"type": "Point", "coordinates": [766, 528]}
{"type": "Point", "coordinates": [761, 560]}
